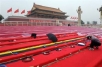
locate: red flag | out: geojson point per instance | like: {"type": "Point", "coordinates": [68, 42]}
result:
{"type": "Point", "coordinates": [28, 12]}
{"type": "Point", "coordinates": [9, 10]}
{"type": "Point", "coordinates": [74, 17]}
{"type": "Point", "coordinates": [70, 17]}
{"type": "Point", "coordinates": [23, 12]}
{"type": "Point", "coordinates": [16, 11]}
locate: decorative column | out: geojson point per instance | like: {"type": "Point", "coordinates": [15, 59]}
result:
{"type": "Point", "coordinates": [79, 15]}
{"type": "Point", "coordinates": [100, 10]}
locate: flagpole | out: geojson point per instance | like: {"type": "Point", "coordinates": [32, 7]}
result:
{"type": "Point", "coordinates": [18, 12]}
{"type": "Point", "coordinates": [11, 13]}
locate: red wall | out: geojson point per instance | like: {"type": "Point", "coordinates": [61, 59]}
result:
{"type": "Point", "coordinates": [16, 19]}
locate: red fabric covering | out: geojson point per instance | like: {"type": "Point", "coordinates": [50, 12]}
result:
{"type": "Point", "coordinates": [22, 41]}
{"type": "Point", "coordinates": [13, 47]}
{"type": "Point", "coordinates": [70, 37]}
{"type": "Point", "coordinates": [96, 63]}
{"type": "Point", "coordinates": [99, 64]}
{"type": "Point", "coordinates": [81, 59]}
{"type": "Point", "coordinates": [17, 38]}
{"type": "Point", "coordinates": [43, 59]}
{"type": "Point", "coordinates": [33, 52]}
{"type": "Point", "coordinates": [7, 58]}
{"type": "Point", "coordinates": [21, 38]}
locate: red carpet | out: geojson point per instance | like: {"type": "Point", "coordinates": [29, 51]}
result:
{"type": "Point", "coordinates": [43, 59]}
{"type": "Point", "coordinates": [13, 47]}
{"type": "Point", "coordinates": [33, 52]}
{"type": "Point", "coordinates": [28, 44]}
{"type": "Point", "coordinates": [81, 59]}
{"type": "Point", "coordinates": [85, 58]}
{"type": "Point", "coordinates": [96, 63]}
{"type": "Point", "coordinates": [22, 41]}
{"type": "Point", "coordinates": [27, 53]}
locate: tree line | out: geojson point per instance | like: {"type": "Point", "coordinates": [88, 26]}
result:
{"type": "Point", "coordinates": [1, 17]}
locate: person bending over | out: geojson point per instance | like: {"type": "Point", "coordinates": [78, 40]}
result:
{"type": "Point", "coordinates": [95, 42]}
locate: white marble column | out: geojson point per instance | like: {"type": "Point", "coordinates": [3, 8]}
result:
{"type": "Point", "coordinates": [101, 18]}
{"type": "Point", "coordinates": [100, 10]}
{"type": "Point", "coordinates": [79, 11]}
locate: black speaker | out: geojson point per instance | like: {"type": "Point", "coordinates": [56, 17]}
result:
{"type": "Point", "coordinates": [33, 35]}
{"type": "Point", "coordinates": [52, 37]}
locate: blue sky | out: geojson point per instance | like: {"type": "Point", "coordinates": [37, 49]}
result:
{"type": "Point", "coordinates": [89, 7]}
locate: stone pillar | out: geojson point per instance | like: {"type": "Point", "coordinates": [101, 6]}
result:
{"type": "Point", "coordinates": [100, 15]}
{"type": "Point", "coordinates": [101, 18]}
{"type": "Point", "coordinates": [79, 15]}
{"type": "Point", "coordinates": [100, 10]}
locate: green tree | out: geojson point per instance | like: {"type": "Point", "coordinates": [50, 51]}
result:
{"type": "Point", "coordinates": [82, 22]}
{"type": "Point", "coordinates": [94, 22]}
{"type": "Point", "coordinates": [88, 22]}
{"type": "Point", "coordinates": [1, 17]}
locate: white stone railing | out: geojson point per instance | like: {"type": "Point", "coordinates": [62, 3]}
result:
{"type": "Point", "coordinates": [25, 23]}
